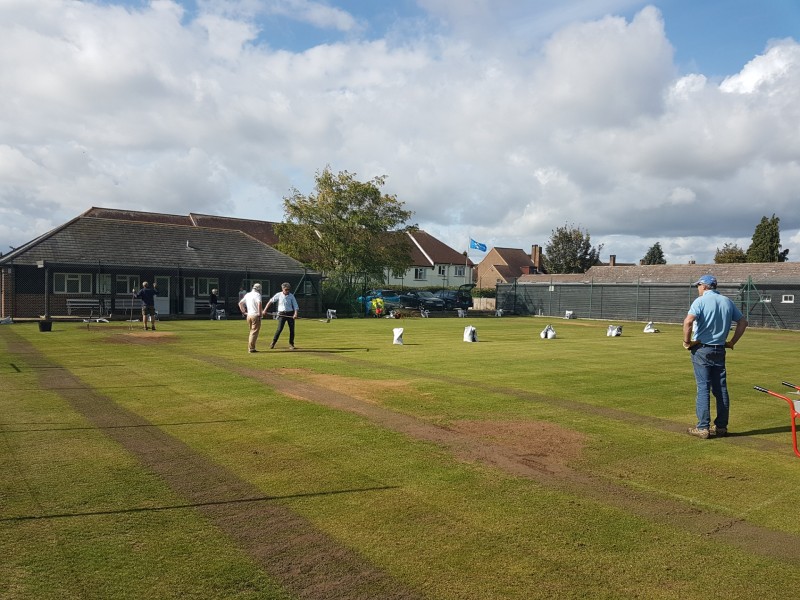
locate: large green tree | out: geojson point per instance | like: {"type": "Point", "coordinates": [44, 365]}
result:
{"type": "Point", "coordinates": [346, 229]}
{"type": "Point", "coordinates": [766, 243]}
{"type": "Point", "coordinates": [570, 250]}
{"type": "Point", "coordinates": [730, 253]}
{"type": "Point", "coordinates": [654, 256]}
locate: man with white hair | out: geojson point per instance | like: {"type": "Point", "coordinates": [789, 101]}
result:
{"type": "Point", "coordinates": [250, 305]}
{"type": "Point", "coordinates": [710, 318]}
{"type": "Point", "coordinates": [287, 312]}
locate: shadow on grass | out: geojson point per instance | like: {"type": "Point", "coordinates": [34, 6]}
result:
{"type": "Point", "coordinates": [147, 509]}
{"type": "Point", "coordinates": [110, 426]}
{"type": "Point", "coordinates": [771, 430]}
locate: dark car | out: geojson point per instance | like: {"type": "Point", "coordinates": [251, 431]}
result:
{"type": "Point", "coordinates": [391, 298]}
{"type": "Point", "coordinates": [421, 299]}
{"type": "Point", "coordinates": [460, 298]}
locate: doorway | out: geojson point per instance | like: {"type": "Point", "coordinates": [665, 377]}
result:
{"type": "Point", "coordinates": [188, 296]}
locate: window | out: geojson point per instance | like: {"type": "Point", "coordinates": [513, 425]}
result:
{"type": "Point", "coordinates": [766, 298]}
{"type": "Point", "coordinates": [442, 270]}
{"type": "Point", "coordinates": [104, 284]}
{"type": "Point", "coordinates": [788, 299]}
{"type": "Point", "coordinates": [420, 273]}
{"type": "Point", "coordinates": [125, 283]}
{"type": "Point", "coordinates": [72, 283]}
{"type": "Point", "coordinates": [308, 288]}
{"type": "Point", "coordinates": [459, 271]}
{"type": "Point", "coordinates": [206, 284]}
{"type": "Point", "coordinates": [248, 284]}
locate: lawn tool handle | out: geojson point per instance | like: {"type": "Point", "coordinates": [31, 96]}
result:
{"type": "Point", "coordinates": [792, 408]}
{"type": "Point", "coordinates": [791, 385]}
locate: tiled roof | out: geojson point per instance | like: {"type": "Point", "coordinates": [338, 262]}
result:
{"type": "Point", "coordinates": [429, 251]}
{"type": "Point", "coordinates": [136, 215]}
{"type": "Point", "coordinates": [736, 273]}
{"type": "Point", "coordinates": [89, 240]}
{"type": "Point", "coordinates": [263, 231]}
{"type": "Point", "coordinates": [515, 258]}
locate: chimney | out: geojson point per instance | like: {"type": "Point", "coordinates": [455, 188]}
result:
{"type": "Point", "coordinates": [612, 260]}
{"type": "Point", "coordinates": [536, 257]}
{"type": "Point", "coordinates": [691, 262]}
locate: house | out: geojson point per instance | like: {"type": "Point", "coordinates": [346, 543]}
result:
{"type": "Point", "coordinates": [92, 263]}
{"type": "Point", "coordinates": [433, 264]}
{"type": "Point", "coordinates": [505, 265]}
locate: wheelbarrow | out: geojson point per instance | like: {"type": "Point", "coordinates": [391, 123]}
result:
{"type": "Point", "coordinates": [794, 408]}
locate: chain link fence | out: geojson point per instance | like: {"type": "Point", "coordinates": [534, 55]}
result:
{"type": "Point", "coordinates": [767, 304]}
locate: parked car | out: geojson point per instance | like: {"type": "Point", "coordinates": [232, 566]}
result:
{"type": "Point", "coordinates": [460, 298]}
{"type": "Point", "coordinates": [391, 299]}
{"type": "Point", "coordinates": [421, 299]}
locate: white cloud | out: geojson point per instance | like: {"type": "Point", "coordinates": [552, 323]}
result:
{"type": "Point", "coordinates": [160, 109]}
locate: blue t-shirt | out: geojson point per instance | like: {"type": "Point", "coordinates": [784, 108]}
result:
{"type": "Point", "coordinates": [147, 296]}
{"type": "Point", "coordinates": [713, 316]}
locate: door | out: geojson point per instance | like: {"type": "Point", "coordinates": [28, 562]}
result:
{"type": "Point", "coordinates": [162, 300]}
{"type": "Point", "coordinates": [188, 296]}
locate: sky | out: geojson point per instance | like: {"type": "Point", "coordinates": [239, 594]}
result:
{"type": "Point", "coordinates": [675, 122]}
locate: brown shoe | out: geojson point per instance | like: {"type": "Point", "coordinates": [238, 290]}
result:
{"type": "Point", "coordinates": [697, 432]}
{"type": "Point", "coordinates": [718, 431]}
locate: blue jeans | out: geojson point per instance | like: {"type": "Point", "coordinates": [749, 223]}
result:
{"type": "Point", "coordinates": [710, 374]}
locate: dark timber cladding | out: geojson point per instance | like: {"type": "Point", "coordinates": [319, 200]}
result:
{"type": "Point", "coordinates": [97, 255]}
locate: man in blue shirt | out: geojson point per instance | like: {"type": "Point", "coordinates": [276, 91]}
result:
{"type": "Point", "coordinates": [287, 312]}
{"type": "Point", "coordinates": [148, 297]}
{"type": "Point", "coordinates": [710, 318]}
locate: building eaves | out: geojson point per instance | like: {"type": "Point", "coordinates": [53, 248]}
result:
{"type": "Point", "coordinates": [89, 240]}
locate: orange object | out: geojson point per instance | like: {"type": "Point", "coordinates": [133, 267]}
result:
{"type": "Point", "coordinates": [794, 408]}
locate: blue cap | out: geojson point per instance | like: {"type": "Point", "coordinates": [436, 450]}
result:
{"type": "Point", "coordinates": [708, 280]}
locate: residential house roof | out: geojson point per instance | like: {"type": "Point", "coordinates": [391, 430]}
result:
{"type": "Point", "coordinates": [90, 240]}
{"type": "Point", "coordinates": [505, 264]}
{"type": "Point", "coordinates": [426, 250]}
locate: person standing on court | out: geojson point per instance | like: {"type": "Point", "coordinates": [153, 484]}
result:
{"type": "Point", "coordinates": [710, 318]}
{"type": "Point", "coordinates": [212, 303]}
{"type": "Point", "coordinates": [287, 312]}
{"type": "Point", "coordinates": [148, 297]}
{"type": "Point", "coordinates": [250, 305]}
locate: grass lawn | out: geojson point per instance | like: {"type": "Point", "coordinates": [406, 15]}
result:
{"type": "Point", "coordinates": [173, 464]}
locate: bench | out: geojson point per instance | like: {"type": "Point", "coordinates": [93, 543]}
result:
{"type": "Point", "coordinates": [90, 304]}
{"type": "Point", "coordinates": [126, 304]}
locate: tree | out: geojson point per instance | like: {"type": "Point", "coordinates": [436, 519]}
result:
{"type": "Point", "coordinates": [730, 253]}
{"type": "Point", "coordinates": [766, 243]}
{"type": "Point", "coordinates": [654, 256]}
{"type": "Point", "coordinates": [347, 229]}
{"type": "Point", "coordinates": [569, 250]}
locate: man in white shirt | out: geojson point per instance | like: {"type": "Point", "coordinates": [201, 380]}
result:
{"type": "Point", "coordinates": [250, 305]}
{"type": "Point", "coordinates": [287, 312]}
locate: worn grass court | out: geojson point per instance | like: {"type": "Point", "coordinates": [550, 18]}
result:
{"type": "Point", "coordinates": [173, 464]}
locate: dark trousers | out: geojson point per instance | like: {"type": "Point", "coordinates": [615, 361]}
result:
{"type": "Point", "coordinates": [283, 320]}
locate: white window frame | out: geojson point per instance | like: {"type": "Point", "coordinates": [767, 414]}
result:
{"type": "Point", "coordinates": [249, 283]}
{"type": "Point", "coordinates": [132, 282]}
{"type": "Point", "coordinates": [61, 283]}
{"type": "Point", "coordinates": [206, 284]}
{"type": "Point", "coordinates": [787, 299]}
{"type": "Point", "coordinates": [766, 299]}
{"type": "Point", "coordinates": [308, 288]}
{"type": "Point", "coordinates": [459, 270]}
{"type": "Point", "coordinates": [104, 283]}
{"type": "Point", "coordinates": [420, 273]}
{"type": "Point", "coordinates": [442, 270]}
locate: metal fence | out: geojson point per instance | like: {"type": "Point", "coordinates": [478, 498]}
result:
{"type": "Point", "coordinates": [767, 304]}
